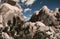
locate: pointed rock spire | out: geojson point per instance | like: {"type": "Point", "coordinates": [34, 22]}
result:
{"type": "Point", "coordinates": [45, 8]}
{"type": "Point", "coordinates": [56, 10]}
{"type": "Point", "coordinates": [45, 16]}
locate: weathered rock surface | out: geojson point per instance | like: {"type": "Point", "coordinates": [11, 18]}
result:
{"type": "Point", "coordinates": [10, 17]}
{"type": "Point", "coordinates": [44, 24]}
{"type": "Point", "coordinates": [38, 30]}
{"type": "Point", "coordinates": [47, 23]}
{"type": "Point", "coordinates": [57, 14]}
{"type": "Point", "coordinates": [46, 16]}
{"type": "Point", "coordinates": [9, 12]}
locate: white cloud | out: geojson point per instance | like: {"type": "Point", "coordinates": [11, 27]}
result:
{"type": "Point", "coordinates": [30, 15]}
{"type": "Point", "coordinates": [27, 9]}
{"type": "Point", "coordinates": [25, 17]}
{"type": "Point", "coordinates": [23, 1]}
{"type": "Point", "coordinates": [28, 2]}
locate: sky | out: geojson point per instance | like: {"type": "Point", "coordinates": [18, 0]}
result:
{"type": "Point", "coordinates": [30, 6]}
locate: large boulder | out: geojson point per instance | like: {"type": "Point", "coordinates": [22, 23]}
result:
{"type": "Point", "coordinates": [10, 13]}
{"type": "Point", "coordinates": [11, 19]}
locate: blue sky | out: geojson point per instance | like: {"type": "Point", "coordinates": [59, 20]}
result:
{"type": "Point", "coordinates": [29, 6]}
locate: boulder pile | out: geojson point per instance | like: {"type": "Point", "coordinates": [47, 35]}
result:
{"type": "Point", "coordinates": [44, 24]}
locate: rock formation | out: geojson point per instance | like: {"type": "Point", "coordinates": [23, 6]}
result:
{"type": "Point", "coordinates": [38, 30]}
{"type": "Point", "coordinates": [46, 16]}
{"type": "Point", "coordinates": [44, 24]}
{"type": "Point", "coordinates": [10, 17]}
{"type": "Point", "coordinates": [47, 22]}
{"type": "Point", "coordinates": [8, 12]}
{"type": "Point", "coordinates": [57, 14]}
